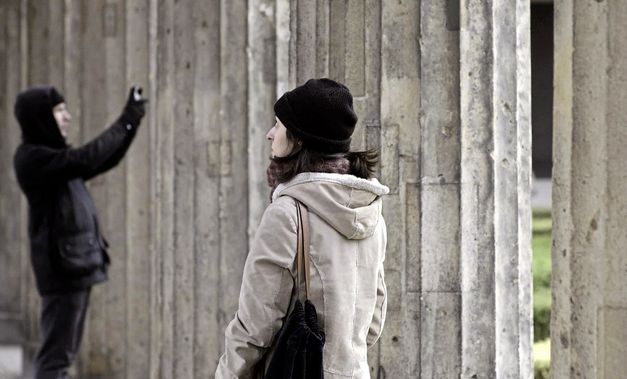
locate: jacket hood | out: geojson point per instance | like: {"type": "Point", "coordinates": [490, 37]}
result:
{"type": "Point", "coordinates": [351, 205]}
{"type": "Point", "coordinates": [33, 111]}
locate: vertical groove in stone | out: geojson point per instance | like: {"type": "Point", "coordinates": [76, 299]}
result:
{"type": "Point", "coordinates": [139, 195]}
{"type": "Point", "coordinates": [580, 188]}
{"type": "Point", "coordinates": [371, 113]}
{"type": "Point", "coordinates": [415, 301]}
{"type": "Point", "coordinates": [184, 196]}
{"type": "Point", "coordinates": [55, 31]}
{"type": "Point", "coordinates": [589, 182]}
{"type": "Point", "coordinates": [322, 38]}
{"type": "Point", "coordinates": [9, 190]}
{"type": "Point", "coordinates": [166, 128]}
{"type": "Point", "coordinates": [234, 142]}
{"type": "Point", "coordinates": [337, 40]}
{"type": "Point", "coordinates": [7, 299]}
{"type": "Point", "coordinates": [439, 176]}
{"type": "Point", "coordinates": [20, 15]}
{"type": "Point", "coordinates": [72, 63]}
{"type": "Point", "coordinates": [561, 308]}
{"type": "Point", "coordinates": [355, 69]}
{"type": "Point", "coordinates": [14, 258]}
{"type": "Point", "coordinates": [477, 192]}
{"type": "Point", "coordinates": [283, 41]}
{"type": "Point", "coordinates": [400, 145]}
{"type": "Point", "coordinates": [30, 302]}
{"type": "Point", "coordinates": [306, 39]}
{"type": "Point", "coordinates": [109, 198]}
{"type": "Point", "coordinates": [37, 24]}
{"type": "Point", "coordinates": [293, 42]}
{"type": "Point", "coordinates": [615, 287]}
{"type": "Point", "coordinates": [523, 120]}
{"type": "Point", "coordinates": [207, 146]}
{"type": "Point", "coordinates": [114, 302]}
{"type": "Point", "coordinates": [265, 85]}
{"type": "Point", "coordinates": [156, 298]}
{"type": "Point", "coordinates": [506, 189]}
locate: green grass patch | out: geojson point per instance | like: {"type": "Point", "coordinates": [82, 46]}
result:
{"type": "Point", "coordinates": [541, 313]}
{"type": "Point", "coordinates": [542, 359]}
{"type": "Point", "coordinates": [542, 223]}
{"type": "Point", "coordinates": [541, 266]}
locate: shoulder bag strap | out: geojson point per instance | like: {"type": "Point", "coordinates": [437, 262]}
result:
{"type": "Point", "coordinates": [303, 244]}
{"type": "Point", "coordinates": [299, 248]}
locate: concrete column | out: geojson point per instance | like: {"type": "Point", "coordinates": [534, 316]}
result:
{"type": "Point", "coordinates": [589, 311]}
{"type": "Point", "coordinates": [267, 66]}
{"type": "Point", "coordinates": [495, 189]}
{"type": "Point", "coordinates": [12, 257]}
{"type": "Point", "coordinates": [400, 159]}
{"type": "Point", "coordinates": [434, 268]}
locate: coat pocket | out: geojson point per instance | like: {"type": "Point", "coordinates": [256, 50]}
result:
{"type": "Point", "coordinates": [80, 254]}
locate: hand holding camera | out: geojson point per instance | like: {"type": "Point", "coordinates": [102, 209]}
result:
{"type": "Point", "coordinates": [135, 107]}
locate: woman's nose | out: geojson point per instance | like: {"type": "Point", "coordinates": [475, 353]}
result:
{"type": "Point", "coordinates": [270, 135]}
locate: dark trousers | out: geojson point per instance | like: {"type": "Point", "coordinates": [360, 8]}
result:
{"type": "Point", "coordinates": [62, 322]}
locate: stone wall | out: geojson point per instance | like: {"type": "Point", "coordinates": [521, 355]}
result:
{"type": "Point", "coordinates": [442, 88]}
{"type": "Point", "coordinates": [589, 279]}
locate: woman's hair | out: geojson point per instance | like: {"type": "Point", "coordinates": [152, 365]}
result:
{"type": "Point", "coordinates": [302, 159]}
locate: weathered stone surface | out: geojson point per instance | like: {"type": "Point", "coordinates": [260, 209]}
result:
{"type": "Point", "coordinates": [443, 94]}
{"type": "Point", "coordinates": [588, 280]}
{"type": "Point", "coordinates": [9, 192]}
{"type": "Point", "coordinates": [495, 188]}
{"type": "Point", "coordinates": [438, 254]}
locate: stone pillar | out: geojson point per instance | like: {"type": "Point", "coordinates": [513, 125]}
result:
{"type": "Point", "coordinates": [13, 263]}
{"type": "Point", "coordinates": [495, 189]}
{"type": "Point", "coordinates": [589, 281]}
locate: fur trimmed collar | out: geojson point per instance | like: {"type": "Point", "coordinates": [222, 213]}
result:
{"type": "Point", "coordinates": [370, 185]}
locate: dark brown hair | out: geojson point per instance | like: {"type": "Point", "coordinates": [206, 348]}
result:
{"type": "Point", "coordinates": [303, 159]}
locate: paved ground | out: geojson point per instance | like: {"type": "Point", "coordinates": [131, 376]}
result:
{"type": "Point", "coordinates": [541, 193]}
{"type": "Point", "coordinates": [11, 362]}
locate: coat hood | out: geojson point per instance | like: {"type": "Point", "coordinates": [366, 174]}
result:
{"type": "Point", "coordinates": [351, 205]}
{"type": "Point", "coordinates": [33, 110]}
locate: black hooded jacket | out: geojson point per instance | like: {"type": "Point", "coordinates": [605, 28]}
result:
{"type": "Point", "coordinates": [68, 252]}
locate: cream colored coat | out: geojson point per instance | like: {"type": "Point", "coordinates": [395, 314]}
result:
{"type": "Point", "coordinates": [347, 249]}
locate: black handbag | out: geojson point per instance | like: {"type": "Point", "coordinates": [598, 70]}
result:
{"type": "Point", "coordinates": [298, 354]}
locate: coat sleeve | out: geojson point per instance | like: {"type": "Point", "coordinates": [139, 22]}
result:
{"type": "Point", "coordinates": [265, 294]}
{"type": "Point", "coordinates": [43, 165]}
{"type": "Point", "coordinates": [119, 150]}
{"type": "Point", "coordinates": [378, 318]}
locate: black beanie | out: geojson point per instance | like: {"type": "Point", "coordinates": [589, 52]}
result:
{"type": "Point", "coordinates": [319, 113]}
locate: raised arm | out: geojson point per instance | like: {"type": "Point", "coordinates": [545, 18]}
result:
{"type": "Point", "coordinates": [38, 164]}
{"type": "Point", "coordinates": [132, 114]}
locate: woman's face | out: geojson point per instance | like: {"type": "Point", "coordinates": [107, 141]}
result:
{"type": "Point", "coordinates": [63, 118]}
{"type": "Point", "coordinates": [281, 146]}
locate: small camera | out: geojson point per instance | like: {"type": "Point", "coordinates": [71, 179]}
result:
{"type": "Point", "coordinates": [137, 93]}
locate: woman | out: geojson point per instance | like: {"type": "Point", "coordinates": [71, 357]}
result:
{"type": "Point", "coordinates": [311, 163]}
